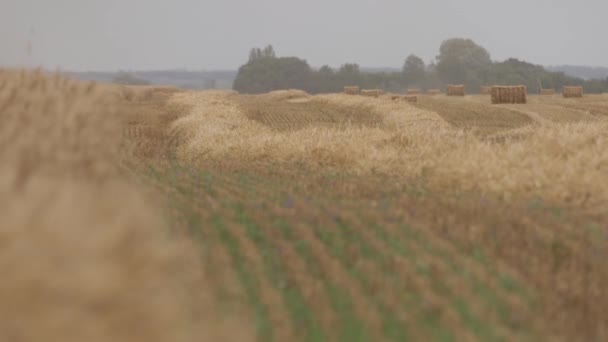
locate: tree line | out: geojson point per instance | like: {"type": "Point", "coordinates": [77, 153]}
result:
{"type": "Point", "coordinates": [460, 61]}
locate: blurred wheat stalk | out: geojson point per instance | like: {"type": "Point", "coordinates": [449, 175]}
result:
{"type": "Point", "coordinates": [83, 255]}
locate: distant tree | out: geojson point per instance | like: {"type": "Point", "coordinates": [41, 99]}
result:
{"type": "Point", "coordinates": [326, 70]}
{"type": "Point", "coordinates": [350, 69]}
{"type": "Point", "coordinates": [255, 54]}
{"type": "Point", "coordinates": [324, 81]}
{"type": "Point", "coordinates": [349, 74]}
{"type": "Point", "coordinates": [413, 70]}
{"type": "Point", "coordinates": [266, 74]}
{"type": "Point", "coordinates": [461, 61]}
{"type": "Point", "coordinates": [268, 52]}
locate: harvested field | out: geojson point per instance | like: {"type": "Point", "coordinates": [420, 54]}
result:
{"type": "Point", "coordinates": [472, 115]}
{"type": "Point", "coordinates": [595, 105]}
{"type": "Point", "coordinates": [322, 218]}
{"type": "Point", "coordinates": [295, 115]}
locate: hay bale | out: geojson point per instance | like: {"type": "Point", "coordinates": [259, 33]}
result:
{"type": "Point", "coordinates": [351, 90]}
{"type": "Point", "coordinates": [433, 92]}
{"type": "Point", "coordinates": [573, 91]}
{"type": "Point", "coordinates": [456, 90]}
{"type": "Point", "coordinates": [370, 92]}
{"type": "Point", "coordinates": [547, 92]}
{"type": "Point", "coordinates": [509, 94]}
{"type": "Point", "coordinates": [413, 92]}
{"type": "Point", "coordinates": [486, 90]}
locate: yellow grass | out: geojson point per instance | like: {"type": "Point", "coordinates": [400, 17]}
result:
{"type": "Point", "coordinates": [84, 255]}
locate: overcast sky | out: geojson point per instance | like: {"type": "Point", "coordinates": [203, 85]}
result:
{"type": "Point", "coordinates": [205, 34]}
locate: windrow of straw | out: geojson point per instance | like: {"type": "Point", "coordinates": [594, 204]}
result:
{"type": "Point", "coordinates": [414, 92]}
{"type": "Point", "coordinates": [433, 92]}
{"type": "Point", "coordinates": [456, 90]}
{"type": "Point", "coordinates": [572, 91]}
{"type": "Point", "coordinates": [509, 94]}
{"type": "Point", "coordinates": [405, 98]}
{"type": "Point", "coordinates": [371, 92]}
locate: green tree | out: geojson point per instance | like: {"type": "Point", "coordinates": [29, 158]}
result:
{"type": "Point", "coordinates": [414, 70]}
{"type": "Point", "coordinates": [268, 52]}
{"type": "Point", "coordinates": [266, 74]}
{"type": "Point", "coordinates": [462, 61]}
{"type": "Point", "coordinates": [324, 81]}
{"type": "Point", "coordinates": [349, 75]}
{"type": "Point", "coordinates": [255, 54]}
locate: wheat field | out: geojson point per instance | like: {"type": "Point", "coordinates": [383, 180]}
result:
{"type": "Point", "coordinates": [154, 214]}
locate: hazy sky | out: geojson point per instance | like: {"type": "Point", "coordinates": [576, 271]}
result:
{"type": "Point", "coordinates": [205, 34]}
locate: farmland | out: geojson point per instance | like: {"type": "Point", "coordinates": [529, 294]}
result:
{"type": "Point", "coordinates": [328, 217]}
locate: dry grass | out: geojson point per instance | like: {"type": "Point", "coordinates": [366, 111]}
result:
{"type": "Point", "coordinates": [84, 255]}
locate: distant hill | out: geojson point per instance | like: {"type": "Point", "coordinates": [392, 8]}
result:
{"type": "Point", "coordinates": [197, 80]}
{"type": "Point", "coordinates": [584, 72]}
